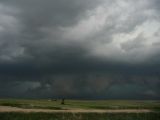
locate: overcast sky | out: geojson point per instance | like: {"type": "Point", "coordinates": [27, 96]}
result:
{"type": "Point", "coordinates": [89, 49]}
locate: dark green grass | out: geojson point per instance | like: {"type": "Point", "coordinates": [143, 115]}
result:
{"type": "Point", "coordinates": [28, 106]}
{"type": "Point", "coordinates": [79, 116]}
{"type": "Point", "coordinates": [83, 104]}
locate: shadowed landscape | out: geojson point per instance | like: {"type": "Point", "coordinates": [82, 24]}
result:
{"type": "Point", "coordinates": [82, 104]}
{"type": "Point", "coordinates": [15, 109]}
{"type": "Point", "coordinates": [79, 116]}
{"type": "Point", "coordinates": [79, 59]}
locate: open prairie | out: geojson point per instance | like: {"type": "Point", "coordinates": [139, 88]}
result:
{"type": "Point", "coordinates": [55, 104]}
{"type": "Point", "coordinates": [19, 109]}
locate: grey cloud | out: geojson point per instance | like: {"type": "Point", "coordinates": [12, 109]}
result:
{"type": "Point", "coordinates": [47, 49]}
{"type": "Point", "coordinates": [135, 44]}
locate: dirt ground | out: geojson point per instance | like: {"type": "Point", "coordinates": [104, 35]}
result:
{"type": "Point", "coordinates": [15, 109]}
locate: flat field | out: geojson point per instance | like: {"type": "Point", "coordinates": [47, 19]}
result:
{"type": "Point", "coordinates": [81, 104]}
{"type": "Point", "coordinates": [47, 109]}
{"type": "Point", "coordinates": [79, 116]}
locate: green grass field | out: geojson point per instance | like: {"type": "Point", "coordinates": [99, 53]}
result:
{"type": "Point", "coordinates": [78, 116]}
{"type": "Point", "coordinates": [83, 104]}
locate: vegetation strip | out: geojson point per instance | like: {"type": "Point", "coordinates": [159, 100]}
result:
{"type": "Point", "coordinates": [15, 109]}
{"type": "Point", "coordinates": [79, 116]}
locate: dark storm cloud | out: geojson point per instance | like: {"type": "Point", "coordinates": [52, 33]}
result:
{"type": "Point", "coordinates": [79, 49]}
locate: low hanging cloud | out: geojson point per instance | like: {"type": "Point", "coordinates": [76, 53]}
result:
{"type": "Point", "coordinates": [80, 49]}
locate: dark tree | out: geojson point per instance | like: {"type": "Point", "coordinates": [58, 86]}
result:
{"type": "Point", "coordinates": [62, 102]}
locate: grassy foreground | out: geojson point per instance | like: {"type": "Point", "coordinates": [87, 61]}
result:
{"type": "Point", "coordinates": [79, 116]}
{"type": "Point", "coordinates": [82, 104]}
